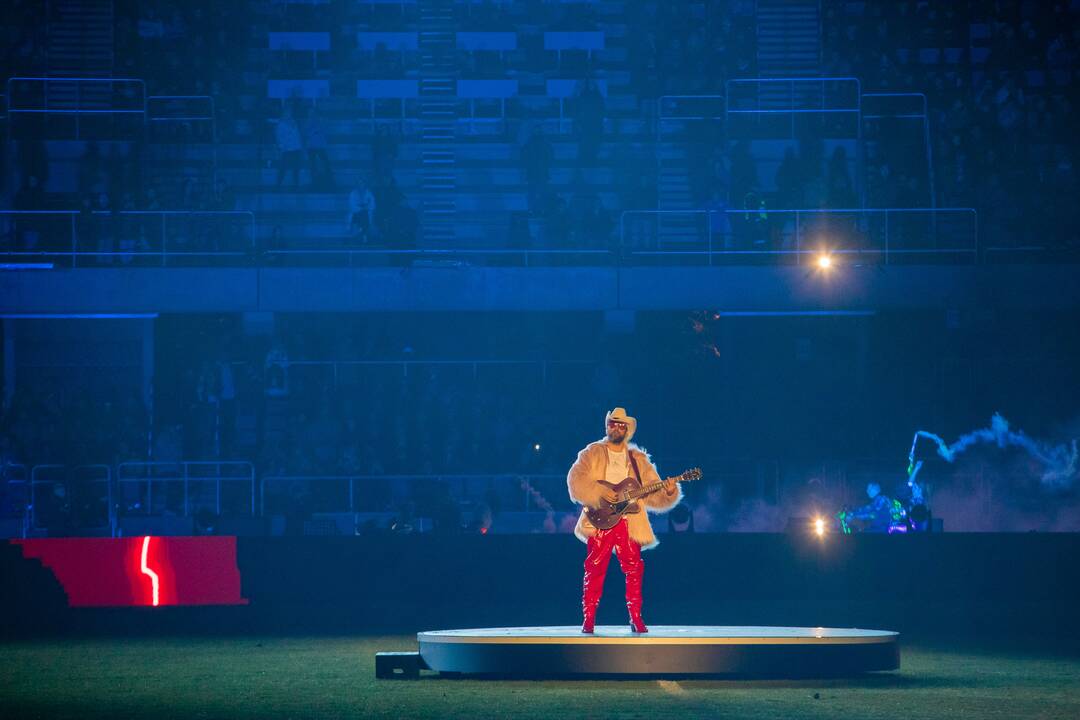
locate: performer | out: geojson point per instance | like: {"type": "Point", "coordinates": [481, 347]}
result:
{"type": "Point", "coordinates": [613, 459]}
{"type": "Point", "coordinates": [912, 495]}
{"type": "Point", "coordinates": [877, 516]}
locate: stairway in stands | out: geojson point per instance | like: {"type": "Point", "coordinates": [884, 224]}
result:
{"type": "Point", "coordinates": [438, 118]}
{"type": "Point", "coordinates": [80, 38]}
{"type": "Point", "coordinates": [673, 193]}
{"type": "Point", "coordinates": [789, 38]}
{"type": "Point", "coordinates": [80, 44]}
{"type": "Point", "coordinates": [688, 130]}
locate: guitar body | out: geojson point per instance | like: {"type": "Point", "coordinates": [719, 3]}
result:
{"type": "Point", "coordinates": [629, 491]}
{"type": "Point", "coordinates": [608, 514]}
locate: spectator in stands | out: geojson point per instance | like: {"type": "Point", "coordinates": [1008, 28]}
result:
{"type": "Point", "coordinates": [91, 170]}
{"type": "Point", "coordinates": [755, 222]}
{"type": "Point", "coordinates": [127, 230]}
{"type": "Point", "coordinates": [22, 428]}
{"type": "Point", "coordinates": [388, 202]}
{"type": "Point", "coordinates": [277, 238]}
{"type": "Point", "coordinates": [1061, 53]}
{"type": "Point", "coordinates": [54, 509]}
{"type": "Point", "coordinates": [384, 150]}
{"type": "Point", "coordinates": [276, 371]}
{"type": "Point", "coordinates": [789, 181]}
{"type": "Point", "coordinates": [588, 120]}
{"type": "Point", "coordinates": [636, 165]}
{"type": "Point", "coordinates": [29, 197]}
{"type": "Point", "coordinates": [840, 189]}
{"type": "Point", "coordinates": [190, 197]}
{"type": "Point", "coordinates": [13, 495]}
{"type": "Point", "coordinates": [134, 428]}
{"type": "Point", "coordinates": [406, 227]}
{"type": "Point", "coordinates": [105, 225]}
{"type": "Point", "coordinates": [289, 146]}
{"type": "Point", "coordinates": [537, 156]}
{"type": "Point", "coordinates": [361, 214]}
{"type": "Point", "coordinates": [8, 231]}
{"type": "Point", "coordinates": [559, 224]}
{"type": "Point", "coordinates": [226, 406]}
{"type": "Point", "coordinates": [349, 461]}
{"type": "Point", "coordinates": [226, 232]}
{"type": "Point", "coordinates": [719, 222]}
{"type": "Point", "coordinates": [322, 438]}
{"type": "Point", "coordinates": [33, 160]}
{"type": "Point", "coordinates": [223, 198]}
{"type": "Point", "coordinates": [150, 200]}
{"type": "Point", "coordinates": [322, 175]}
{"type": "Point", "coordinates": [881, 187]}
{"type": "Point", "coordinates": [743, 170]}
{"type": "Point", "coordinates": [595, 225]}
{"type": "Point", "coordinates": [519, 235]}
{"type": "Point", "coordinates": [434, 500]}
{"type": "Point", "coordinates": [385, 63]}
{"type": "Point", "coordinates": [299, 507]}
{"type": "Point", "coordinates": [86, 225]}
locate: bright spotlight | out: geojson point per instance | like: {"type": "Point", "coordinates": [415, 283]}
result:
{"type": "Point", "coordinates": [824, 261]}
{"type": "Point", "coordinates": [819, 527]}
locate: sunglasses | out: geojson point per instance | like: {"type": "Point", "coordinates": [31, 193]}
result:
{"type": "Point", "coordinates": [616, 423]}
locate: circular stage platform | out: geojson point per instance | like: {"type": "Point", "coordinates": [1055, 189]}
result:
{"type": "Point", "coordinates": [666, 650]}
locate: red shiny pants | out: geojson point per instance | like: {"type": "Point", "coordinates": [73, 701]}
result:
{"type": "Point", "coordinates": [600, 547]}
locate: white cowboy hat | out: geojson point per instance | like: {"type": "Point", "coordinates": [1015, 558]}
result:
{"type": "Point", "coordinates": [619, 415]}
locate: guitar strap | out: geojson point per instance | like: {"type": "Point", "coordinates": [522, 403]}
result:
{"type": "Point", "coordinates": [634, 506]}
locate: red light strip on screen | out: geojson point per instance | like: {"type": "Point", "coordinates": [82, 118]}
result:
{"type": "Point", "coordinates": [147, 571]}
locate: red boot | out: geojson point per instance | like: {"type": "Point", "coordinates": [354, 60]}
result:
{"type": "Point", "coordinates": [629, 554]}
{"type": "Point", "coordinates": [637, 625]}
{"type": "Point", "coordinates": [597, 558]}
{"type": "Point", "coordinates": [589, 626]}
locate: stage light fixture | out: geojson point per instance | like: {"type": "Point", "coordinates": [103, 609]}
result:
{"type": "Point", "coordinates": [824, 261]}
{"type": "Point", "coordinates": [819, 527]}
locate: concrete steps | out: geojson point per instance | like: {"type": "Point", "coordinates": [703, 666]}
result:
{"type": "Point", "coordinates": [80, 38]}
{"type": "Point", "coordinates": [788, 38]}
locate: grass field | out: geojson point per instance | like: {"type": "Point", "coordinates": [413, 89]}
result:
{"type": "Point", "coordinates": [308, 677]}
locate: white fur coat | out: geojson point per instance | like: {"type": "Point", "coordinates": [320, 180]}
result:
{"type": "Point", "coordinates": [583, 481]}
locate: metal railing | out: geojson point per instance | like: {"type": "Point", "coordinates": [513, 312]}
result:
{"type": "Point", "coordinates": [793, 97]}
{"type": "Point", "coordinates": [172, 238]}
{"type": "Point", "coordinates": [803, 94]}
{"type": "Point", "coordinates": [77, 97]}
{"type": "Point", "coordinates": [691, 107]}
{"type": "Point", "coordinates": [676, 113]}
{"type": "Point", "coordinates": [337, 367]}
{"type": "Point", "coordinates": [904, 106]}
{"type": "Point", "coordinates": [192, 476]}
{"type": "Point", "coordinates": [527, 258]}
{"type": "Point", "coordinates": [16, 488]}
{"type": "Point", "coordinates": [141, 237]}
{"type": "Point", "coordinates": [165, 110]}
{"type": "Point", "coordinates": [74, 481]}
{"type": "Point", "coordinates": [180, 108]}
{"type": "Point", "coordinates": [883, 234]}
{"type": "Point", "coordinates": [357, 493]}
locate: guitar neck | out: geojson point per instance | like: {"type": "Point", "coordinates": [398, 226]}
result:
{"type": "Point", "coordinates": [648, 489]}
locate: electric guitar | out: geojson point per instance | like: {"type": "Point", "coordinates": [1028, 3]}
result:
{"type": "Point", "coordinates": [607, 514]}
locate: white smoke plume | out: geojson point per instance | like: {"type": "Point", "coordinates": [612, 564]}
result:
{"type": "Point", "coordinates": [1058, 462]}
